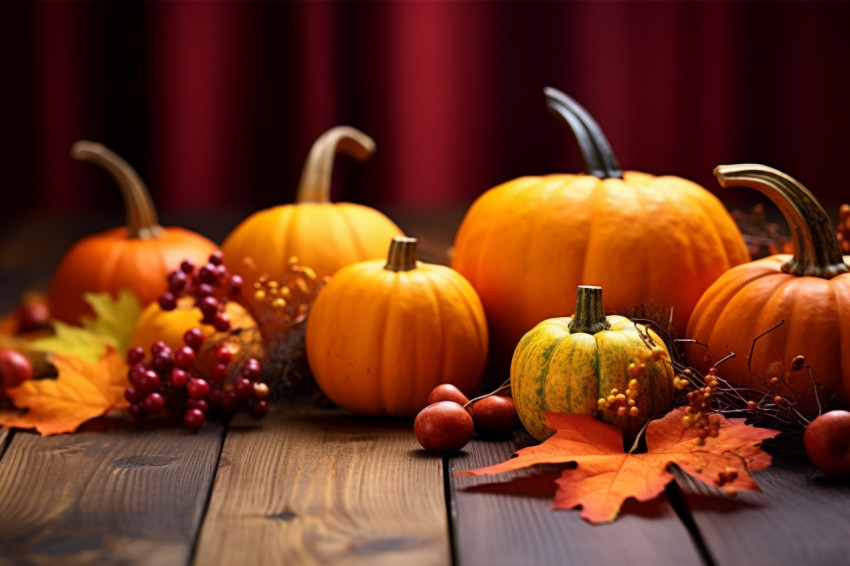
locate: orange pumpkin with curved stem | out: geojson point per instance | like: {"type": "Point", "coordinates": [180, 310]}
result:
{"type": "Point", "coordinates": [807, 292]}
{"type": "Point", "coordinates": [324, 236]}
{"type": "Point", "coordinates": [653, 243]}
{"type": "Point", "coordinates": [138, 256]}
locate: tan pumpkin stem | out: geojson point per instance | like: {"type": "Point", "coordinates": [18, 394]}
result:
{"type": "Point", "coordinates": [817, 251]}
{"type": "Point", "coordinates": [402, 255]}
{"type": "Point", "coordinates": [590, 316]}
{"type": "Point", "coordinates": [141, 215]}
{"type": "Point", "coordinates": [315, 185]}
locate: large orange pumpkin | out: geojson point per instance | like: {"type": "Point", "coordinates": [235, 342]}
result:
{"type": "Point", "coordinates": [382, 334]}
{"type": "Point", "coordinates": [807, 292]}
{"type": "Point", "coordinates": [324, 236]}
{"type": "Point", "coordinates": [653, 243]}
{"type": "Point", "coordinates": [138, 256]}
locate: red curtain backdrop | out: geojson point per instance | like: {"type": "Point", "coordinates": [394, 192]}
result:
{"type": "Point", "coordinates": [216, 103]}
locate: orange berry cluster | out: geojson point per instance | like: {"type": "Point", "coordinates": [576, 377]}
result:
{"type": "Point", "coordinates": [623, 403]}
{"type": "Point", "coordinates": [290, 297]}
{"type": "Point", "coordinates": [698, 409]}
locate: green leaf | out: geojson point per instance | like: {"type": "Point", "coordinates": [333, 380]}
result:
{"type": "Point", "coordinates": [72, 341]}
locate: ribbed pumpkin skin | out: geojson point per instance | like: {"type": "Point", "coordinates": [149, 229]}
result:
{"type": "Point", "coordinates": [110, 261]}
{"type": "Point", "coordinates": [379, 341]}
{"type": "Point", "coordinates": [322, 235]}
{"type": "Point", "coordinates": [653, 243]}
{"type": "Point", "coordinates": [554, 370]}
{"type": "Point", "coordinates": [754, 297]}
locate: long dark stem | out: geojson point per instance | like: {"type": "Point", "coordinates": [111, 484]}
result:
{"type": "Point", "coordinates": [596, 152]}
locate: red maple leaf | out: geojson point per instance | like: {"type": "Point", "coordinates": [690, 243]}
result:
{"type": "Point", "coordinates": [606, 475]}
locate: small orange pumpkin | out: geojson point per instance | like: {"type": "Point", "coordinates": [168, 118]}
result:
{"type": "Point", "coordinates": [381, 335]}
{"type": "Point", "coordinates": [138, 256]}
{"type": "Point", "coordinates": [807, 292]}
{"type": "Point", "coordinates": [322, 235]}
{"type": "Point", "coordinates": [653, 243]}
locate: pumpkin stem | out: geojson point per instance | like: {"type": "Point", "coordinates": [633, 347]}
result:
{"type": "Point", "coordinates": [590, 316]}
{"type": "Point", "coordinates": [315, 185]}
{"type": "Point", "coordinates": [402, 255]}
{"type": "Point", "coordinates": [817, 251]}
{"type": "Point", "coordinates": [141, 214]}
{"type": "Point", "coordinates": [596, 152]}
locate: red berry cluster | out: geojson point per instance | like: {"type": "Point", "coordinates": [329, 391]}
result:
{"type": "Point", "coordinates": [843, 231]}
{"type": "Point", "coordinates": [450, 419]}
{"type": "Point", "coordinates": [169, 381]}
{"type": "Point", "coordinates": [211, 285]}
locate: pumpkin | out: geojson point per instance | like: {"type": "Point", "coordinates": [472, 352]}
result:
{"type": "Point", "coordinates": [808, 292]}
{"type": "Point", "coordinates": [381, 335]}
{"type": "Point", "coordinates": [604, 366]}
{"type": "Point", "coordinates": [138, 256]}
{"type": "Point", "coordinates": [322, 235]}
{"type": "Point", "coordinates": [653, 243]}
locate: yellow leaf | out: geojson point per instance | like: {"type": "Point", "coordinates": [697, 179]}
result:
{"type": "Point", "coordinates": [112, 326]}
{"type": "Point", "coordinates": [81, 392]}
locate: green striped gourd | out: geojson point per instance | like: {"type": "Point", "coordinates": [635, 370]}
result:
{"type": "Point", "coordinates": [608, 367]}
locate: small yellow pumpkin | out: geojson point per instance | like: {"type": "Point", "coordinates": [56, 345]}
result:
{"type": "Point", "coordinates": [608, 367]}
{"type": "Point", "coordinates": [381, 335]}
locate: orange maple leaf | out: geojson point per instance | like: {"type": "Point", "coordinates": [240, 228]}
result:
{"type": "Point", "coordinates": [606, 475]}
{"type": "Point", "coordinates": [82, 391]}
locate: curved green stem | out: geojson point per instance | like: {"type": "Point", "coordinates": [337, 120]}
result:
{"type": "Point", "coordinates": [315, 185]}
{"type": "Point", "coordinates": [596, 152]}
{"type": "Point", "coordinates": [402, 254]}
{"type": "Point", "coordinates": [817, 251]}
{"type": "Point", "coordinates": [141, 215]}
{"type": "Point", "coordinates": [590, 316]}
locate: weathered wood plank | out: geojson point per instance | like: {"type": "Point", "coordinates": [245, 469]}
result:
{"type": "Point", "coordinates": [500, 523]}
{"type": "Point", "coordinates": [796, 519]}
{"type": "Point", "coordinates": [311, 486]}
{"type": "Point", "coordinates": [126, 495]}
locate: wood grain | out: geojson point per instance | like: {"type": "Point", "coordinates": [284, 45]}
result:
{"type": "Point", "coordinates": [120, 495]}
{"type": "Point", "coordinates": [506, 520]}
{"type": "Point", "coordinates": [311, 486]}
{"type": "Point", "coordinates": [797, 519]}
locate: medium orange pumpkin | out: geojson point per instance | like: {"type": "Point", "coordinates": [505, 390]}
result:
{"type": "Point", "coordinates": [322, 235]}
{"type": "Point", "coordinates": [138, 256]}
{"type": "Point", "coordinates": [382, 334]}
{"type": "Point", "coordinates": [808, 292]}
{"type": "Point", "coordinates": [653, 243]}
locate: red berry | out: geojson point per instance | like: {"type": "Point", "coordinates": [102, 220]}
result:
{"type": "Point", "coordinates": [208, 306]}
{"type": "Point", "coordinates": [133, 395]}
{"type": "Point", "coordinates": [252, 369]}
{"type": "Point", "coordinates": [158, 346]}
{"type": "Point", "coordinates": [179, 377]}
{"type": "Point", "coordinates": [167, 301]}
{"type": "Point", "coordinates": [198, 388]}
{"type": "Point", "coordinates": [136, 372]}
{"type": "Point", "coordinates": [494, 416]}
{"type": "Point", "coordinates": [228, 402]}
{"type": "Point", "coordinates": [260, 409]}
{"type": "Point", "coordinates": [135, 355]}
{"type": "Point", "coordinates": [203, 290]}
{"type": "Point", "coordinates": [234, 286]}
{"type": "Point", "coordinates": [15, 368]}
{"type": "Point", "coordinates": [243, 387]}
{"type": "Point", "coordinates": [194, 338]}
{"type": "Point", "coordinates": [444, 426]}
{"type": "Point", "coordinates": [162, 362]}
{"type": "Point", "coordinates": [199, 404]}
{"type": "Point", "coordinates": [148, 382]}
{"type": "Point", "coordinates": [184, 357]}
{"type": "Point", "coordinates": [137, 411]}
{"type": "Point", "coordinates": [447, 392]}
{"type": "Point", "coordinates": [153, 403]}
{"type": "Point", "coordinates": [223, 354]}
{"type": "Point", "coordinates": [207, 274]}
{"type": "Point", "coordinates": [218, 373]}
{"type": "Point", "coordinates": [187, 267]}
{"type": "Point", "coordinates": [216, 257]}
{"type": "Point", "coordinates": [194, 419]}
{"type": "Point", "coordinates": [221, 322]}
{"type": "Point", "coordinates": [177, 281]}
{"type": "Point", "coordinates": [32, 315]}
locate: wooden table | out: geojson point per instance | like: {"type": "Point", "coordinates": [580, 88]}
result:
{"type": "Point", "coordinates": [308, 485]}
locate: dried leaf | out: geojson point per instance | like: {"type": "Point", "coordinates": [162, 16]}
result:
{"type": "Point", "coordinates": [81, 392]}
{"type": "Point", "coordinates": [606, 475]}
{"type": "Point", "coordinates": [111, 327]}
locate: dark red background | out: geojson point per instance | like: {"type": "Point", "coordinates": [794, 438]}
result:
{"type": "Point", "coordinates": [216, 104]}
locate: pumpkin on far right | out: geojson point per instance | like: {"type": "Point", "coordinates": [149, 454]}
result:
{"type": "Point", "coordinates": [807, 294]}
